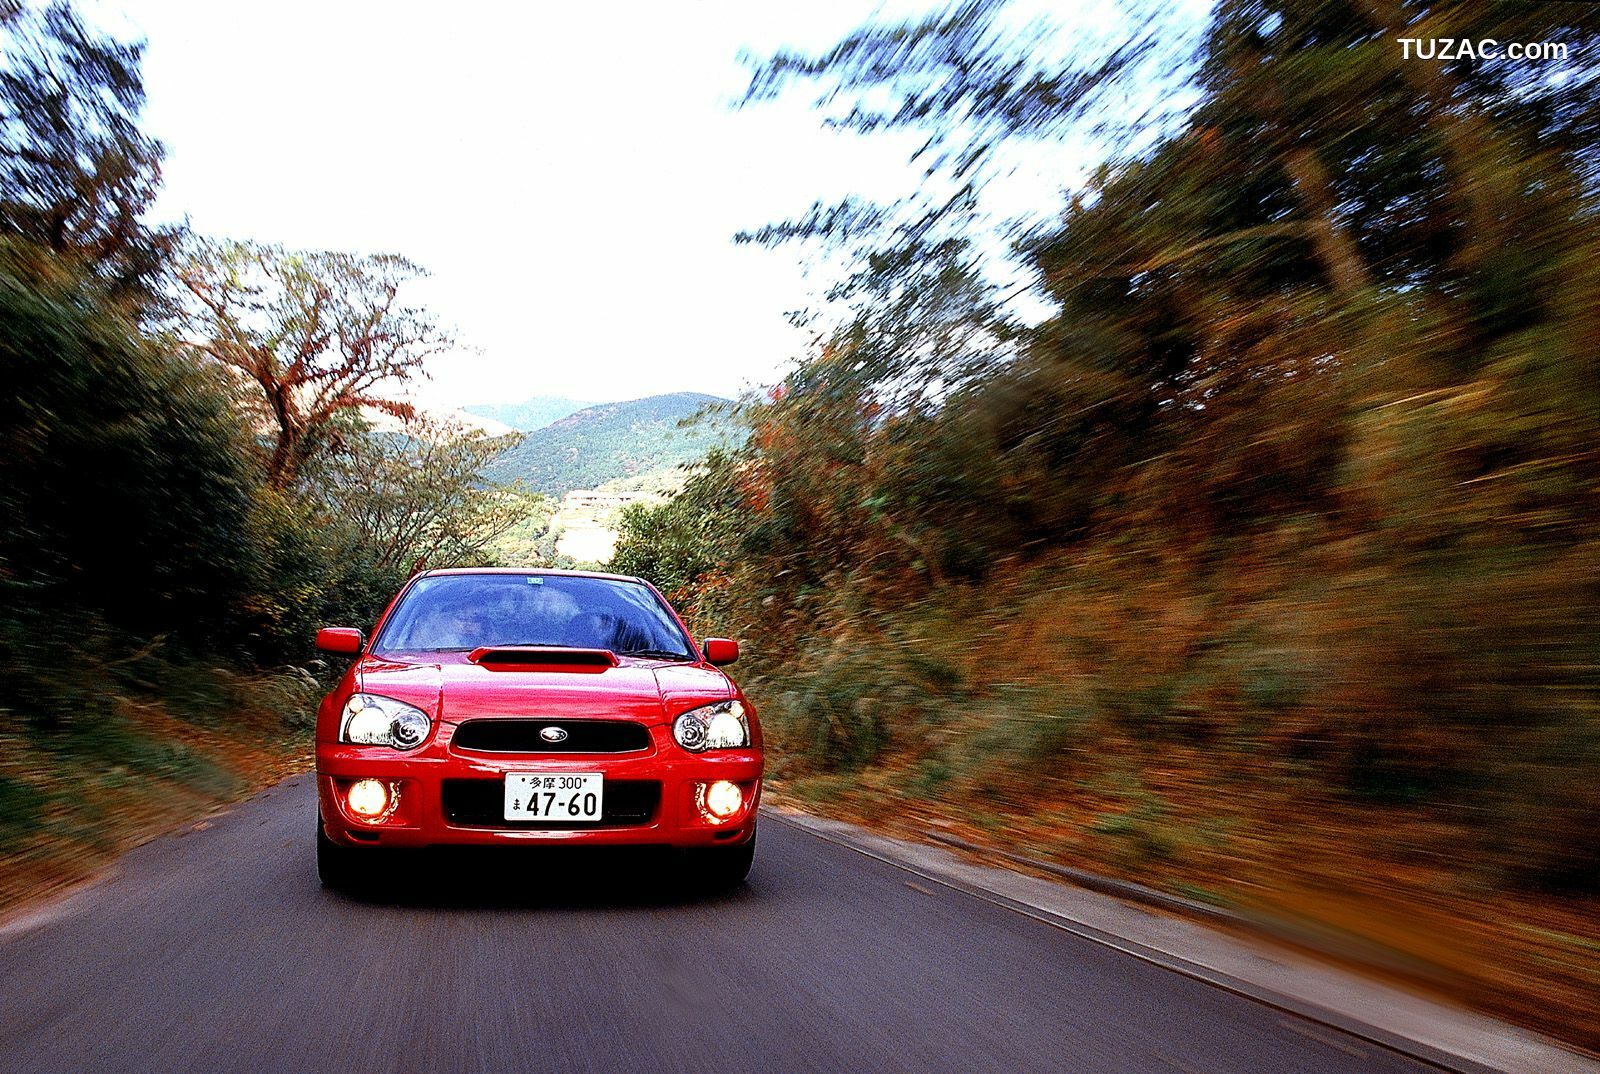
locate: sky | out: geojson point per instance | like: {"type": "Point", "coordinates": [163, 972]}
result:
{"type": "Point", "coordinates": [571, 175]}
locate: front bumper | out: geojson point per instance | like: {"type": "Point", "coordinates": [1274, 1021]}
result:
{"type": "Point", "coordinates": [429, 784]}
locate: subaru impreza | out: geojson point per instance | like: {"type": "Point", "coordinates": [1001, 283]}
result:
{"type": "Point", "coordinates": [530, 708]}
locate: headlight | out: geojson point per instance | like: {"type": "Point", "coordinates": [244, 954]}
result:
{"type": "Point", "coordinates": [714, 727]}
{"type": "Point", "coordinates": [371, 720]}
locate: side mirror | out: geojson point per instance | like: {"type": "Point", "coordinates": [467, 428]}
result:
{"type": "Point", "coordinates": [720, 651]}
{"type": "Point", "coordinates": [340, 640]}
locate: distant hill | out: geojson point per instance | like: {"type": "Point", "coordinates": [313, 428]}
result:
{"type": "Point", "coordinates": [530, 414]}
{"type": "Point", "coordinates": [612, 441]}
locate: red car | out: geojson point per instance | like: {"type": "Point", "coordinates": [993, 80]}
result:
{"type": "Point", "coordinates": [531, 708]}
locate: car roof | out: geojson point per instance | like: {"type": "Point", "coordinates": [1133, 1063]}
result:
{"type": "Point", "coordinates": [532, 570]}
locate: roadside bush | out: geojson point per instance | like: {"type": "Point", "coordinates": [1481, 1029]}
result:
{"type": "Point", "coordinates": [124, 486]}
{"type": "Point", "coordinates": [1041, 727]}
{"type": "Point", "coordinates": [306, 569]}
{"type": "Point", "coordinates": [831, 719]}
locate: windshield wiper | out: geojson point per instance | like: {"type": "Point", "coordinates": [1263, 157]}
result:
{"type": "Point", "coordinates": [655, 654]}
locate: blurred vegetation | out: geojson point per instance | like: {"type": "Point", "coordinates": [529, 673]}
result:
{"type": "Point", "coordinates": [76, 171]}
{"type": "Point", "coordinates": [1280, 521]}
{"type": "Point", "coordinates": [1298, 476]}
{"type": "Point", "coordinates": [191, 477]}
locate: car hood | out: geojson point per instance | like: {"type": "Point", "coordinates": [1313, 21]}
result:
{"type": "Point", "coordinates": [451, 688]}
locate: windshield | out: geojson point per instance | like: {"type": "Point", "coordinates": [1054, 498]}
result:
{"type": "Point", "coordinates": [457, 612]}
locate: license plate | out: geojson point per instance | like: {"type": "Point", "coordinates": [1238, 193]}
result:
{"type": "Point", "coordinates": [554, 795]}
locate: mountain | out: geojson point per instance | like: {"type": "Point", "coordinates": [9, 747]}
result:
{"type": "Point", "coordinates": [387, 422]}
{"type": "Point", "coordinates": [530, 414]}
{"type": "Point", "coordinates": [611, 441]}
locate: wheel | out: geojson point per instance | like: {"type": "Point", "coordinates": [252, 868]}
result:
{"type": "Point", "coordinates": [336, 865]}
{"type": "Point", "coordinates": [720, 868]}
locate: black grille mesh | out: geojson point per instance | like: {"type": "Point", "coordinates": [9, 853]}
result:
{"type": "Point", "coordinates": [523, 736]}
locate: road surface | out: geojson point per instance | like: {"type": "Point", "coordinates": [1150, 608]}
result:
{"type": "Point", "coordinates": [216, 951]}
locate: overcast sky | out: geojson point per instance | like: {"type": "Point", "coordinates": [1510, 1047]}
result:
{"type": "Point", "coordinates": [571, 174]}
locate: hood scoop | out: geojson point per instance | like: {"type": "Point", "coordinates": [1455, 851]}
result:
{"type": "Point", "coordinates": [542, 658]}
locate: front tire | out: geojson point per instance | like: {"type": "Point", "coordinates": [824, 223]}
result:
{"type": "Point", "coordinates": [336, 865]}
{"type": "Point", "coordinates": [721, 868]}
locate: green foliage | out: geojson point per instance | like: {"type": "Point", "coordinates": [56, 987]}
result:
{"type": "Point", "coordinates": [833, 717]}
{"type": "Point", "coordinates": [76, 172]}
{"type": "Point", "coordinates": [530, 541]}
{"type": "Point", "coordinates": [21, 810]}
{"type": "Point", "coordinates": [133, 496]}
{"type": "Point", "coordinates": [1140, 833]}
{"type": "Point", "coordinates": [1299, 474]}
{"type": "Point", "coordinates": [116, 743]}
{"type": "Point", "coordinates": [308, 569]}
{"type": "Point", "coordinates": [684, 543]}
{"type": "Point", "coordinates": [1040, 726]}
{"type": "Point", "coordinates": [417, 495]}
{"type": "Point", "coordinates": [931, 777]}
{"type": "Point", "coordinates": [123, 482]}
{"type": "Point", "coordinates": [376, 507]}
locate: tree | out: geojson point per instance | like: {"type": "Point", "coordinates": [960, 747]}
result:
{"type": "Point", "coordinates": [311, 336]}
{"type": "Point", "coordinates": [76, 172]}
{"type": "Point", "coordinates": [417, 495]}
{"type": "Point", "coordinates": [678, 544]}
{"type": "Point", "coordinates": [1324, 332]}
{"type": "Point", "coordinates": [690, 545]}
{"type": "Point", "coordinates": [124, 484]}
{"type": "Point", "coordinates": [531, 540]}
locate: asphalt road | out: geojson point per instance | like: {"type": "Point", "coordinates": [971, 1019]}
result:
{"type": "Point", "coordinates": [217, 951]}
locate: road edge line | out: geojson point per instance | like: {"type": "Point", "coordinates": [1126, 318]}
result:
{"type": "Point", "coordinates": [847, 835]}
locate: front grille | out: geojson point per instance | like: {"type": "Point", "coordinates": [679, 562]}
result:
{"type": "Point", "coordinates": [481, 803]}
{"type": "Point", "coordinates": [523, 736]}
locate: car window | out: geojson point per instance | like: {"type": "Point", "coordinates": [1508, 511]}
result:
{"type": "Point", "coordinates": [465, 611]}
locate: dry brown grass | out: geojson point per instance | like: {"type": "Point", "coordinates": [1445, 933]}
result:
{"type": "Point", "coordinates": [1298, 857]}
{"type": "Point", "coordinates": [96, 808]}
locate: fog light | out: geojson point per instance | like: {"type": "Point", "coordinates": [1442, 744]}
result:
{"type": "Point", "coordinates": [368, 798]}
{"type": "Point", "coordinates": [723, 799]}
